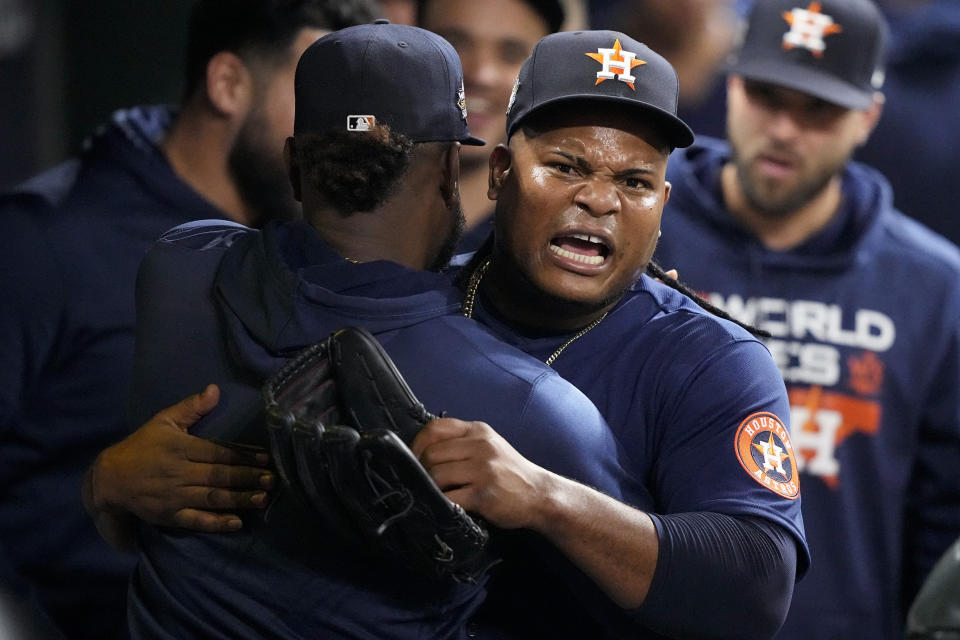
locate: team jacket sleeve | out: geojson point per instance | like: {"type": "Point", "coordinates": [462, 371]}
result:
{"type": "Point", "coordinates": [32, 293]}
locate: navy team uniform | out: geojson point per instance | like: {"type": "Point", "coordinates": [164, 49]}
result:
{"type": "Point", "coordinates": [865, 317]}
{"type": "Point", "coordinates": [73, 239]}
{"type": "Point", "coordinates": [693, 399]}
{"type": "Point", "coordinates": [220, 303]}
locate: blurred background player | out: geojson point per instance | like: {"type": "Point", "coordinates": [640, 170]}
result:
{"type": "Point", "coordinates": [492, 39]}
{"type": "Point", "coordinates": [696, 36]}
{"type": "Point", "coordinates": [794, 238]}
{"type": "Point", "coordinates": [74, 238]}
{"type": "Point", "coordinates": [921, 89]}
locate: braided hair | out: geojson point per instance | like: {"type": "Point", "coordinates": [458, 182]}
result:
{"type": "Point", "coordinates": [654, 270]}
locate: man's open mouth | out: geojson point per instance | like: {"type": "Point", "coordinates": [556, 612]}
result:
{"type": "Point", "coordinates": [581, 247]}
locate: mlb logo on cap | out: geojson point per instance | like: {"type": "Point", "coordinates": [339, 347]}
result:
{"type": "Point", "coordinates": [382, 74]}
{"type": "Point", "coordinates": [361, 123]}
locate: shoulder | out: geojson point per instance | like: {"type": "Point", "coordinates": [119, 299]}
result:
{"type": "Point", "coordinates": [478, 345]}
{"type": "Point", "coordinates": [31, 244]}
{"type": "Point", "coordinates": [919, 246]}
{"type": "Point", "coordinates": [493, 371]}
{"type": "Point", "coordinates": [30, 206]}
{"type": "Point", "coordinates": [903, 243]}
{"type": "Point", "coordinates": [663, 313]}
{"type": "Point", "coordinates": [662, 341]}
{"type": "Point", "coordinates": [204, 235]}
{"type": "Point", "coordinates": [188, 253]}
{"type": "Point", "coordinates": [683, 161]}
{"type": "Point", "coordinates": [45, 190]}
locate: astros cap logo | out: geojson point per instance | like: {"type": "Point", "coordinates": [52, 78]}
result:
{"type": "Point", "coordinates": [765, 452]}
{"type": "Point", "coordinates": [808, 28]}
{"type": "Point", "coordinates": [616, 58]}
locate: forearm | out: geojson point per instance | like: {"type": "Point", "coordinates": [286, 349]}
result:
{"type": "Point", "coordinates": [117, 527]}
{"type": "Point", "coordinates": [720, 576]}
{"type": "Point", "coordinates": [700, 574]}
{"type": "Point", "coordinates": [612, 543]}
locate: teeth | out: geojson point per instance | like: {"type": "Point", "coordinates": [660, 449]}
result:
{"type": "Point", "coordinates": [587, 238]}
{"type": "Point", "coordinates": [563, 253]}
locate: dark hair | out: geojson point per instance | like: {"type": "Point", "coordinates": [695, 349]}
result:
{"type": "Point", "coordinates": [654, 270]}
{"type": "Point", "coordinates": [353, 171]}
{"type": "Point", "coordinates": [550, 10]}
{"type": "Point", "coordinates": [261, 29]}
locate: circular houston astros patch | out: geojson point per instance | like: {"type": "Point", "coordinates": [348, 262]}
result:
{"type": "Point", "coordinates": [764, 450]}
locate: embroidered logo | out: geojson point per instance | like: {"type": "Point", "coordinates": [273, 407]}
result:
{"type": "Point", "coordinates": [513, 94]}
{"type": "Point", "coordinates": [808, 28]}
{"type": "Point", "coordinates": [361, 123]}
{"type": "Point", "coordinates": [616, 59]}
{"type": "Point", "coordinates": [764, 450]}
{"type": "Point", "coordinates": [866, 373]}
{"type": "Point", "coordinates": [462, 101]}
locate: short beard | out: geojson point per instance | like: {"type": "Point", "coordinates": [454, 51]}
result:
{"type": "Point", "coordinates": [449, 247]}
{"type": "Point", "coordinates": [779, 207]}
{"type": "Point", "coordinates": [259, 174]}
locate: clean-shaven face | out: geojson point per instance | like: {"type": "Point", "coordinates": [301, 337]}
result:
{"type": "Point", "coordinates": [579, 206]}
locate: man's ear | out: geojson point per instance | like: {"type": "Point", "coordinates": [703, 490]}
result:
{"type": "Point", "coordinates": [871, 116]}
{"type": "Point", "coordinates": [501, 159]}
{"type": "Point", "coordinates": [229, 85]}
{"type": "Point", "coordinates": [450, 175]}
{"type": "Point", "coordinates": [293, 167]}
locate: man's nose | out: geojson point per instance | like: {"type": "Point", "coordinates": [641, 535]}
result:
{"type": "Point", "coordinates": [598, 195]}
{"type": "Point", "coordinates": [483, 68]}
{"type": "Point", "coordinates": [784, 125]}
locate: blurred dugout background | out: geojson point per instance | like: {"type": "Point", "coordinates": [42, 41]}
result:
{"type": "Point", "coordinates": [66, 64]}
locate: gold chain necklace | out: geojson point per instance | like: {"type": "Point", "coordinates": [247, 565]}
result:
{"type": "Point", "coordinates": [468, 302]}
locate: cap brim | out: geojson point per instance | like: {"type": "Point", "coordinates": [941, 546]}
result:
{"type": "Point", "coordinates": [804, 79]}
{"type": "Point", "coordinates": [472, 141]}
{"type": "Point", "coordinates": [678, 134]}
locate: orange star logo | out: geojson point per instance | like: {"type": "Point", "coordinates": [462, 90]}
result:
{"type": "Point", "coordinates": [763, 448]}
{"type": "Point", "coordinates": [616, 58]}
{"type": "Point", "coordinates": [808, 28]}
{"type": "Point", "coordinates": [770, 451]}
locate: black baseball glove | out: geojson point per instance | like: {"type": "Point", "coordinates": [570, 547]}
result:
{"type": "Point", "coordinates": [340, 418]}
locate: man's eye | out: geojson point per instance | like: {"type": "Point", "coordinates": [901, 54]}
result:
{"type": "Point", "coordinates": [563, 168]}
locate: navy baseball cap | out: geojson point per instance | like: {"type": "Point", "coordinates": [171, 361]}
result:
{"type": "Point", "coordinates": [599, 66]}
{"type": "Point", "coordinates": [382, 73]}
{"type": "Point", "coordinates": [831, 49]}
